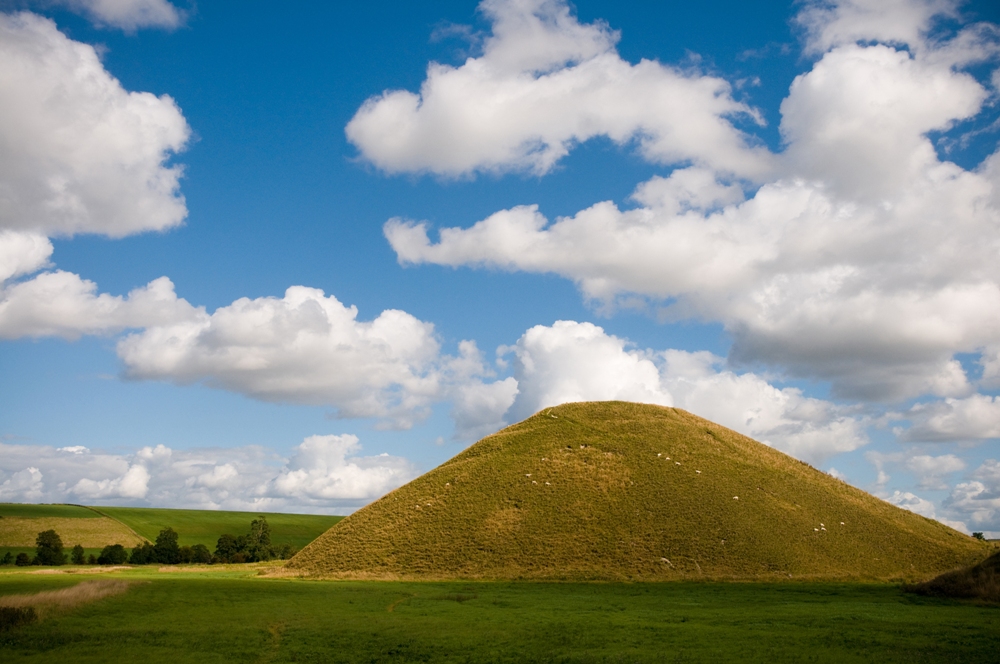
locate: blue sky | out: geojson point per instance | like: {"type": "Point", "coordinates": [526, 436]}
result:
{"type": "Point", "coordinates": [782, 217]}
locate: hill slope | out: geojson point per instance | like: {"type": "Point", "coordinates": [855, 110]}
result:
{"type": "Point", "coordinates": [205, 526]}
{"type": "Point", "coordinates": [616, 490]}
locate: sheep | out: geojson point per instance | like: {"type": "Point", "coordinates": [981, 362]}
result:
{"type": "Point", "coordinates": [736, 497]}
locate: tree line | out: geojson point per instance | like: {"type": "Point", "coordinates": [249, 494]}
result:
{"type": "Point", "coordinates": [253, 547]}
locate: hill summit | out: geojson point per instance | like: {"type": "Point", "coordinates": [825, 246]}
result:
{"type": "Point", "coordinates": [617, 491]}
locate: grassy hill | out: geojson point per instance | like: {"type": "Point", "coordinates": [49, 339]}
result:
{"type": "Point", "coordinates": [21, 523]}
{"type": "Point", "coordinates": [617, 490]}
{"type": "Point", "coordinates": [205, 526]}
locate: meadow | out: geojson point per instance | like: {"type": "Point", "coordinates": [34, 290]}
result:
{"type": "Point", "coordinates": [222, 614]}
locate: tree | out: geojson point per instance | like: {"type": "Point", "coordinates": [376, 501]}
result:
{"type": "Point", "coordinates": [259, 541]}
{"type": "Point", "coordinates": [226, 548]}
{"type": "Point", "coordinates": [113, 554]}
{"type": "Point", "coordinates": [979, 536]}
{"type": "Point", "coordinates": [200, 554]}
{"type": "Point", "coordinates": [167, 550]}
{"type": "Point", "coordinates": [7, 559]}
{"type": "Point", "coordinates": [22, 560]}
{"type": "Point", "coordinates": [143, 554]}
{"type": "Point", "coordinates": [48, 548]}
{"type": "Point", "coordinates": [77, 556]}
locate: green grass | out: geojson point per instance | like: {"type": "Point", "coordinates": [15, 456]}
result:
{"type": "Point", "coordinates": [622, 491]}
{"type": "Point", "coordinates": [27, 511]}
{"type": "Point", "coordinates": [205, 526]}
{"type": "Point", "coordinates": [232, 616]}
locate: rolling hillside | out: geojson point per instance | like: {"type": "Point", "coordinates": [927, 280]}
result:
{"type": "Point", "coordinates": [96, 527]}
{"type": "Point", "coordinates": [618, 490]}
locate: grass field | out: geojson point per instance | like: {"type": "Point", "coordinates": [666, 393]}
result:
{"type": "Point", "coordinates": [221, 616]}
{"type": "Point", "coordinates": [27, 511]}
{"type": "Point", "coordinates": [205, 526]}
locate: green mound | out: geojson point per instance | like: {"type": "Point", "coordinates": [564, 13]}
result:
{"type": "Point", "coordinates": [628, 491]}
{"type": "Point", "coordinates": [205, 526]}
{"type": "Point", "coordinates": [980, 582]}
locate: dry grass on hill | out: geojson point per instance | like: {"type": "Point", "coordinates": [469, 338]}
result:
{"type": "Point", "coordinates": [91, 533]}
{"type": "Point", "coordinates": [622, 491]}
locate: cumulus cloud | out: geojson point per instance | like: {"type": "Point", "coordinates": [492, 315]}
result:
{"type": "Point", "coordinates": [22, 253]}
{"type": "Point", "coordinates": [572, 361]}
{"type": "Point", "coordinates": [974, 418]}
{"type": "Point", "coordinates": [128, 15]}
{"type": "Point", "coordinates": [302, 348]}
{"type": "Point", "coordinates": [324, 474]}
{"type": "Point", "coordinates": [922, 506]}
{"type": "Point", "coordinates": [321, 470]}
{"type": "Point", "coordinates": [978, 500]}
{"type": "Point", "coordinates": [544, 83]}
{"type": "Point", "coordinates": [78, 152]}
{"type": "Point", "coordinates": [830, 24]}
{"type": "Point", "coordinates": [865, 260]}
{"type": "Point", "coordinates": [931, 470]}
{"type": "Point", "coordinates": [62, 304]}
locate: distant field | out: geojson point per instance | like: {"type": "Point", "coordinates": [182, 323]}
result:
{"type": "Point", "coordinates": [226, 616]}
{"type": "Point", "coordinates": [205, 526]}
{"type": "Point", "coordinates": [91, 533]}
{"type": "Point", "coordinates": [39, 511]}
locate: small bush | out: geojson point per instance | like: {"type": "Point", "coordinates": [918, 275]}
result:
{"type": "Point", "coordinates": [113, 554]}
{"type": "Point", "coordinates": [979, 536]}
{"type": "Point", "coordinates": [200, 554]}
{"type": "Point", "coordinates": [8, 559]}
{"type": "Point", "coordinates": [91, 559]}
{"type": "Point", "coordinates": [15, 616]}
{"type": "Point", "coordinates": [77, 556]}
{"type": "Point", "coordinates": [22, 560]}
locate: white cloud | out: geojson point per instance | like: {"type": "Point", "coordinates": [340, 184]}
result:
{"type": "Point", "coordinates": [830, 24]}
{"type": "Point", "coordinates": [321, 470]}
{"type": "Point", "coordinates": [303, 348]}
{"type": "Point", "coordinates": [922, 506]}
{"type": "Point", "coordinates": [544, 83]}
{"type": "Point", "coordinates": [80, 154]}
{"type": "Point", "coordinates": [134, 483]}
{"type": "Point", "coordinates": [930, 469]}
{"type": "Point", "coordinates": [22, 253]}
{"type": "Point", "coordinates": [978, 500]}
{"type": "Point", "coordinates": [867, 262]}
{"type": "Point", "coordinates": [974, 418]}
{"type": "Point", "coordinates": [572, 361]}
{"type": "Point", "coordinates": [62, 304]}
{"type": "Point", "coordinates": [24, 485]}
{"type": "Point", "coordinates": [323, 475]}
{"type": "Point", "coordinates": [128, 15]}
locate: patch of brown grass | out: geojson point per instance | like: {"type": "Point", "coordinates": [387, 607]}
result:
{"type": "Point", "coordinates": [64, 599]}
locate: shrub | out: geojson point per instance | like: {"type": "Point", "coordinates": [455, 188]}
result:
{"type": "Point", "coordinates": [91, 559]}
{"type": "Point", "coordinates": [113, 554]}
{"type": "Point", "coordinates": [8, 559]}
{"type": "Point", "coordinates": [15, 616]}
{"type": "Point", "coordinates": [22, 560]}
{"type": "Point", "coordinates": [78, 556]}
{"type": "Point", "coordinates": [48, 548]}
{"type": "Point", "coordinates": [979, 536]}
